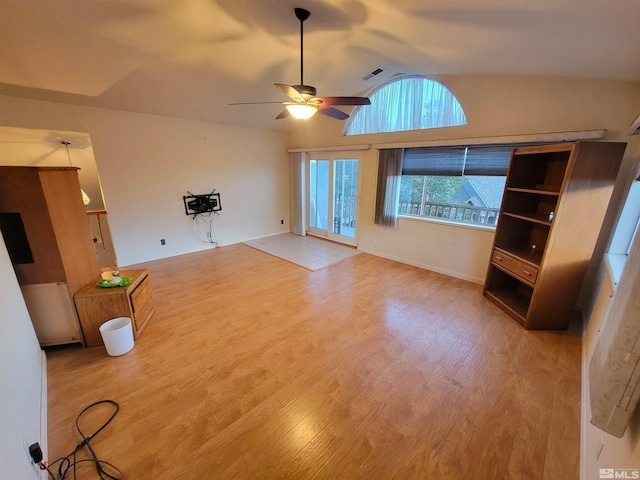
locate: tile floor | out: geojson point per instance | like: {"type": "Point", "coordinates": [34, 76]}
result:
{"type": "Point", "coordinates": [309, 252]}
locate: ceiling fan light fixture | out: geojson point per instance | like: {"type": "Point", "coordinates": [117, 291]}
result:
{"type": "Point", "coordinates": [85, 198]}
{"type": "Point", "coordinates": [302, 111]}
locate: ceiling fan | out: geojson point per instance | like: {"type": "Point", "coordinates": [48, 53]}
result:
{"type": "Point", "coordinates": [303, 102]}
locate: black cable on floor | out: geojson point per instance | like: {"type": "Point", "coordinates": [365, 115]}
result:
{"type": "Point", "coordinates": [67, 465]}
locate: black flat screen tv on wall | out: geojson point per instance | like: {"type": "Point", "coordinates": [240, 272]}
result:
{"type": "Point", "coordinates": [15, 238]}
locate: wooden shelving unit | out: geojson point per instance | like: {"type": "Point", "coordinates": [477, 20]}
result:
{"type": "Point", "coordinates": [57, 235]}
{"type": "Point", "coordinates": [552, 210]}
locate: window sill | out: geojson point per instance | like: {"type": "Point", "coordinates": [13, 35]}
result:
{"type": "Point", "coordinates": [614, 263]}
{"type": "Point", "coordinates": [471, 226]}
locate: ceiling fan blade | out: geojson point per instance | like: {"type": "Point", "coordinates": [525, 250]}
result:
{"type": "Point", "coordinates": [289, 91]}
{"type": "Point", "coordinates": [283, 114]}
{"type": "Point", "coordinates": [332, 112]}
{"type": "Point", "coordinates": [345, 100]}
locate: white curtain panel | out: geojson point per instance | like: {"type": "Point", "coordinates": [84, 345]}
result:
{"type": "Point", "coordinates": [299, 210]}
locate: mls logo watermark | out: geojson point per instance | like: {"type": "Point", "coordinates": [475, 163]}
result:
{"type": "Point", "coordinates": [620, 473]}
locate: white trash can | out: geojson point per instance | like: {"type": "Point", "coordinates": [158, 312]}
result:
{"type": "Point", "coordinates": [117, 335]}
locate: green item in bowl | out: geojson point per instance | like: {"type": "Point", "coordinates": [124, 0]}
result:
{"type": "Point", "coordinates": [109, 284]}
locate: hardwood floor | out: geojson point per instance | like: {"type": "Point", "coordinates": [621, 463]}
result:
{"type": "Point", "coordinates": [256, 368]}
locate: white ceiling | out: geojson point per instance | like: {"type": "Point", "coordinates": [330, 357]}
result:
{"type": "Point", "coordinates": [191, 58]}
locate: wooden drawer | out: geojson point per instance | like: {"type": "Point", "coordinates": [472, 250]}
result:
{"type": "Point", "coordinates": [141, 295]}
{"type": "Point", "coordinates": [142, 305]}
{"type": "Point", "coordinates": [520, 269]}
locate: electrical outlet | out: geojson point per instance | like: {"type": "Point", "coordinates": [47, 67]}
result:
{"type": "Point", "coordinates": [163, 241]}
{"type": "Point", "coordinates": [36, 469]}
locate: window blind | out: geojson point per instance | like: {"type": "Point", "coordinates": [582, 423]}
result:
{"type": "Point", "coordinates": [458, 161]}
{"type": "Point", "coordinates": [441, 161]}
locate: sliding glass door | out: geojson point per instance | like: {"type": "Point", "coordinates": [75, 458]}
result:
{"type": "Point", "coordinates": [318, 196]}
{"type": "Point", "coordinates": [333, 195]}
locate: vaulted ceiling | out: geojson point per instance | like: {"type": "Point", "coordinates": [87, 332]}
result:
{"type": "Point", "coordinates": [191, 58]}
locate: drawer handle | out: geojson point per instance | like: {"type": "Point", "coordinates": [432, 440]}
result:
{"type": "Point", "coordinates": [527, 273]}
{"type": "Point", "coordinates": [499, 258]}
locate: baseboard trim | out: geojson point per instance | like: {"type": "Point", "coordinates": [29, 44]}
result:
{"type": "Point", "coordinates": [443, 271]}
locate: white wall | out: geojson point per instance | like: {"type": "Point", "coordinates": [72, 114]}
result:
{"type": "Point", "coordinates": [147, 163]}
{"type": "Point", "coordinates": [599, 449]}
{"type": "Point", "coordinates": [458, 251]}
{"type": "Point", "coordinates": [495, 106]}
{"type": "Point", "coordinates": [21, 379]}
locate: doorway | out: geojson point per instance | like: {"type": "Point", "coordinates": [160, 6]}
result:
{"type": "Point", "coordinates": [332, 186]}
{"type": "Point", "coordinates": [44, 148]}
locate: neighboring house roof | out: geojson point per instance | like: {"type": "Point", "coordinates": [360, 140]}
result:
{"type": "Point", "coordinates": [468, 195]}
{"type": "Point", "coordinates": [484, 191]}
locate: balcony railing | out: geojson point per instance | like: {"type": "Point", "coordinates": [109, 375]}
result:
{"type": "Point", "coordinates": [99, 224]}
{"type": "Point", "coordinates": [344, 220]}
{"type": "Point", "coordinates": [446, 211]}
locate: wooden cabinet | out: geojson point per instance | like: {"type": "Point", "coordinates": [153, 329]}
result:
{"type": "Point", "coordinates": [50, 245]}
{"type": "Point", "coordinates": [554, 202]}
{"type": "Point", "coordinates": [96, 305]}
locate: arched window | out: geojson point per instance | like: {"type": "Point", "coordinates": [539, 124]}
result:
{"type": "Point", "coordinates": [407, 103]}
